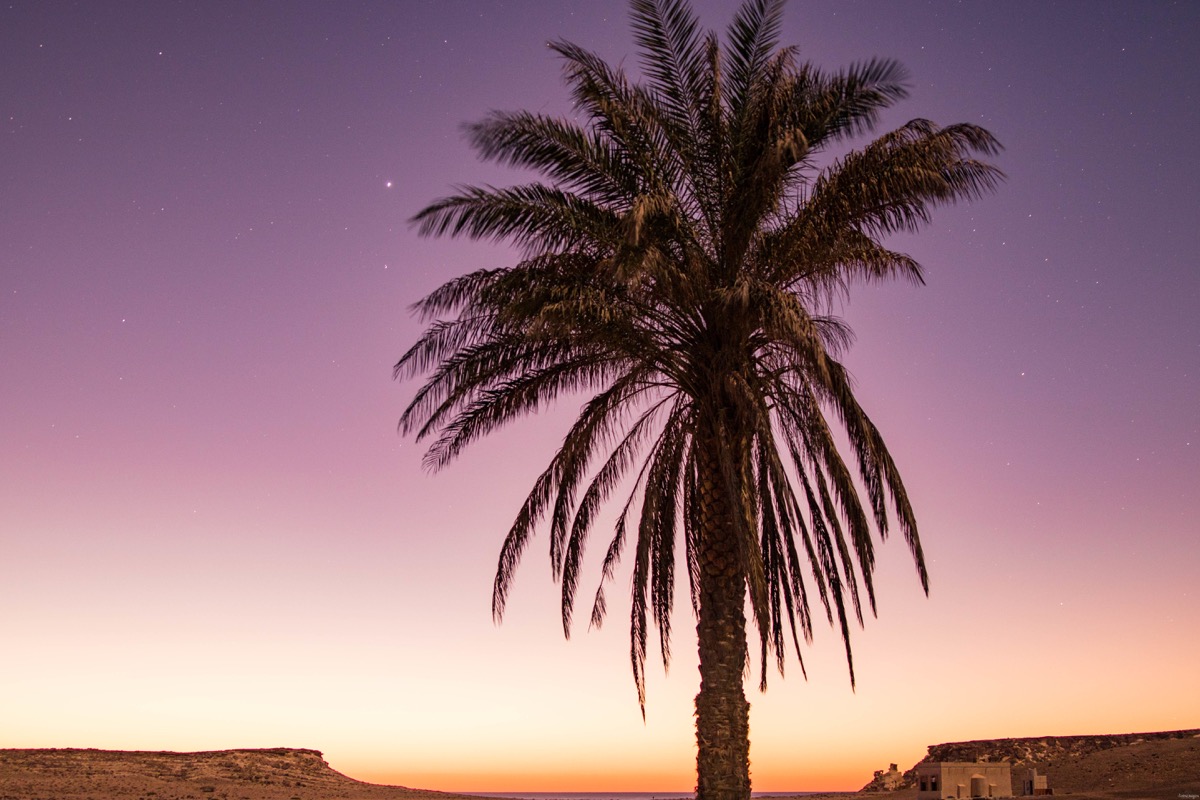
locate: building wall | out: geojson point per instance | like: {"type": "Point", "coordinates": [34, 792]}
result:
{"type": "Point", "coordinates": [1028, 782]}
{"type": "Point", "coordinates": [963, 780]}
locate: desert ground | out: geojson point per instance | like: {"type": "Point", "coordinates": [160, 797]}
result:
{"type": "Point", "coordinates": [1158, 766]}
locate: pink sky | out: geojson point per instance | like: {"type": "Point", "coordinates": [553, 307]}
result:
{"type": "Point", "coordinates": [211, 535]}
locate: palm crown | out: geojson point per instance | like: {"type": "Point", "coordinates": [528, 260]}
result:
{"type": "Point", "coordinates": [678, 266]}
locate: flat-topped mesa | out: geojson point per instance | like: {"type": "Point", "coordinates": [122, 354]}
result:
{"type": "Point", "coordinates": [255, 774]}
{"type": "Point", "coordinates": [1074, 763]}
{"type": "Point", "coordinates": [1043, 749]}
{"type": "Point", "coordinates": [255, 765]}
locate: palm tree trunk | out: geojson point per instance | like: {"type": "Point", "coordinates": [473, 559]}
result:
{"type": "Point", "coordinates": [722, 713]}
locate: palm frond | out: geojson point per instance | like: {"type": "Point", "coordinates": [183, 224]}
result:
{"type": "Point", "coordinates": [534, 216]}
{"type": "Point", "coordinates": [673, 57]}
{"type": "Point", "coordinates": [581, 160]}
{"type": "Point", "coordinates": [623, 456]}
{"type": "Point", "coordinates": [683, 245]}
{"type": "Point", "coordinates": [752, 37]}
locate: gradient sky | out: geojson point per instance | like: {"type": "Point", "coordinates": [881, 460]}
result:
{"type": "Point", "coordinates": [212, 536]}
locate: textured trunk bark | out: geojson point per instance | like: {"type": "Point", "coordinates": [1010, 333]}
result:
{"type": "Point", "coordinates": [722, 713]}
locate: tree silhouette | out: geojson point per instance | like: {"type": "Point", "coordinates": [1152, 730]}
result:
{"type": "Point", "coordinates": [680, 263]}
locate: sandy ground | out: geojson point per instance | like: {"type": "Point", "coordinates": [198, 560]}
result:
{"type": "Point", "coordinates": [1151, 771]}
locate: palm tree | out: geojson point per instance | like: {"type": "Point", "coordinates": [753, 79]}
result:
{"type": "Point", "coordinates": [679, 266]}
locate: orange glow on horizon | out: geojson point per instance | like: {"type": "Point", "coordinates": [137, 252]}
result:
{"type": "Point", "coordinates": [826, 779]}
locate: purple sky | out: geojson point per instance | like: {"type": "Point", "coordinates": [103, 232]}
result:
{"type": "Point", "coordinates": [211, 534]}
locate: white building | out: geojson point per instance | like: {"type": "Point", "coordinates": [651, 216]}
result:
{"type": "Point", "coordinates": [962, 780]}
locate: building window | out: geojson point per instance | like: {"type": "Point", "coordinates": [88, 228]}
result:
{"type": "Point", "coordinates": [933, 783]}
{"type": "Point", "coordinates": [924, 784]}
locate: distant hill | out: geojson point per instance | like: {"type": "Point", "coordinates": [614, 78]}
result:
{"type": "Point", "coordinates": [278, 774]}
{"type": "Point", "coordinates": [1163, 764]}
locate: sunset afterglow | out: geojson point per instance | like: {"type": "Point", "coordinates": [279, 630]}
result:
{"type": "Point", "coordinates": [213, 536]}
